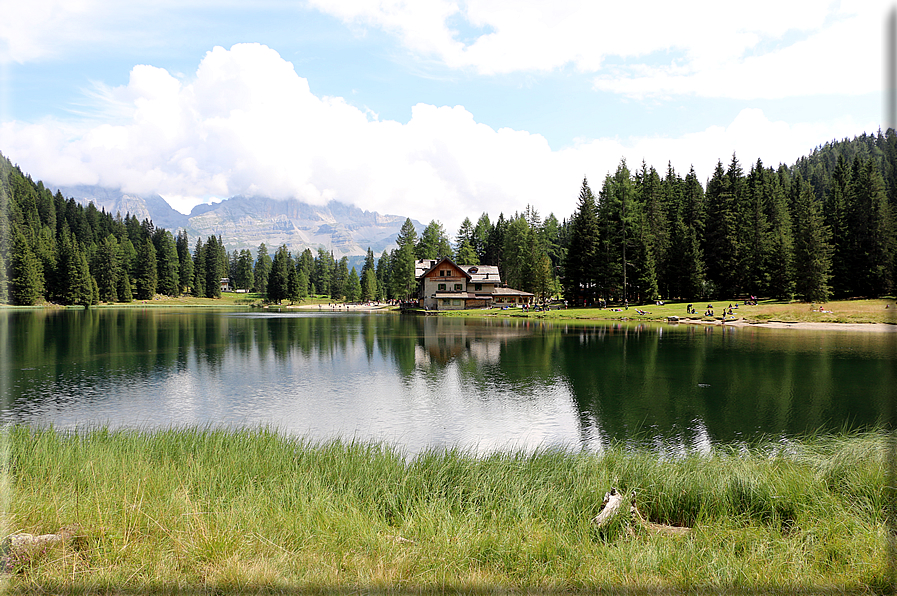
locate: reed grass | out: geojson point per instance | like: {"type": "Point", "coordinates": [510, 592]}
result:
{"type": "Point", "coordinates": [211, 510]}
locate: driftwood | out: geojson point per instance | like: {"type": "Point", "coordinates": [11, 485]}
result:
{"type": "Point", "coordinates": [614, 505]}
{"type": "Point", "coordinates": [21, 548]}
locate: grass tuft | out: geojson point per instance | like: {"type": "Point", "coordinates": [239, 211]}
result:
{"type": "Point", "coordinates": [252, 510]}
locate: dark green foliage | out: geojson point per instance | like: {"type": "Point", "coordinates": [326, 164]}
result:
{"type": "Point", "coordinates": [812, 252]}
{"type": "Point", "coordinates": [243, 278]}
{"type": "Point", "coordinates": [581, 263]}
{"type": "Point", "coordinates": [369, 278]}
{"type": "Point", "coordinates": [353, 287]}
{"type": "Point", "coordinates": [433, 243]}
{"type": "Point", "coordinates": [185, 263]}
{"type": "Point", "coordinates": [402, 279]}
{"type": "Point", "coordinates": [340, 279]}
{"type": "Point", "coordinates": [26, 286]}
{"type": "Point", "coordinates": [465, 253]}
{"type": "Point", "coordinates": [722, 243]}
{"type": "Point", "coordinates": [199, 269]}
{"type": "Point", "coordinates": [323, 272]}
{"type": "Point", "coordinates": [279, 277]}
{"type": "Point", "coordinates": [5, 239]}
{"type": "Point", "coordinates": [146, 271]}
{"type": "Point", "coordinates": [216, 266]}
{"type": "Point", "coordinates": [167, 263]}
{"type": "Point", "coordinates": [262, 269]}
{"type": "Point", "coordinates": [108, 269]}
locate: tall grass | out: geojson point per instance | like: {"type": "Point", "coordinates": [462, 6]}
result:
{"type": "Point", "coordinates": [244, 510]}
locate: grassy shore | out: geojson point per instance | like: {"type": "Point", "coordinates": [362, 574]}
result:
{"type": "Point", "coordinates": [839, 311]}
{"type": "Point", "coordinates": [210, 510]}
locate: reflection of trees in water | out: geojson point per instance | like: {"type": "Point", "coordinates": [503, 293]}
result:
{"type": "Point", "coordinates": [626, 380]}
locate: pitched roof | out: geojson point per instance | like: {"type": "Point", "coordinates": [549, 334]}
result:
{"type": "Point", "coordinates": [476, 273]}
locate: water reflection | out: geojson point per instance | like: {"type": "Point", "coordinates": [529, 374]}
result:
{"type": "Point", "coordinates": [424, 382]}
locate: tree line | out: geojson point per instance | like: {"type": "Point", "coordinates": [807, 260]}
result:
{"type": "Point", "coordinates": [824, 227]}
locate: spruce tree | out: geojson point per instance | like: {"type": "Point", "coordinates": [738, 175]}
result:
{"type": "Point", "coordinates": [199, 269]}
{"type": "Point", "coordinates": [25, 281]}
{"type": "Point", "coordinates": [167, 263]}
{"type": "Point", "coordinates": [279, 276]}
{"type": "Point", "coordinates": [5, 243]}
{"type": "Point", "coordinates": [262, 270]}
{"type": "Point", "coordinates": [146, 271]}
{"type": "Point", "coordinates": [353, 287]}
{"type": "Point", "coordinates": [812, 251]}
{"type": "Point", "coordinates": [108, 269]}
{"type": "Point", "coordinates": [185, 263]}
{"type": "Point", "coordinates": [402, 270]}
{"type": "Point", "coordinates": [216, 259]}
{"type": "Point", "coordinates": [582, 250]}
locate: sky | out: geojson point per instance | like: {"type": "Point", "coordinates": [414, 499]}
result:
{"type": "Point", "coordinates": [432, 109]}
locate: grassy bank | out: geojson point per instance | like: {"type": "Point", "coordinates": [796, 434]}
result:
{"type": "Point", "coordinates": [221, 510]}
{"type": "Point", "coordinates": [227, 300]}
{"type": "Point", "coordinates": [839, 311]}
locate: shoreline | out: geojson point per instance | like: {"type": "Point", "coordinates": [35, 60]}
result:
{"type": "Point", "coordinates": [804, 325]}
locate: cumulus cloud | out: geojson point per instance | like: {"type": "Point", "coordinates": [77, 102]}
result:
{"type": "Point", "coordinates": [768, 49]}
{"type": "Point", "coordinates": [247, 123]}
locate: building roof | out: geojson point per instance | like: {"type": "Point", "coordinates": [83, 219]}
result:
{"type": "Point", "coordinates": [477, 273]}
{"type": "Point", "coordinates": [510, 292]}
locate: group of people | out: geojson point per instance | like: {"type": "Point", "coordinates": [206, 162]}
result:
{"type": "Point", "coordinates": [690, 309]}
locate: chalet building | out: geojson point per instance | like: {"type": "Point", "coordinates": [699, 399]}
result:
{"type": "Point", "coordinates": [443, 285]}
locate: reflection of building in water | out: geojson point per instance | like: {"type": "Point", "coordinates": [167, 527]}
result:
{"type": "Point", "coordinates": [443, 340]}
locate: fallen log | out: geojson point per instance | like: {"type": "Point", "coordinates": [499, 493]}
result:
{"type": "Point", "coordinates": [613, 506]}
{"type": "Point", "coordinates": [22, 548]}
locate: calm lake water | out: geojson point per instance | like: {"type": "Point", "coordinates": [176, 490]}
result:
{"type": "Point", "coordinates": [421, 382]}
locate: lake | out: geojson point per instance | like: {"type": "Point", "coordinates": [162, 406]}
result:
{"type": "Point", "coordinates": [434, 382]}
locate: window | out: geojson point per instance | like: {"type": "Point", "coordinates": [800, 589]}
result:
{"type": "Point", "coordinates": [477, 287]}
{"type": "Point", "coordinates": [456, 303]}
{"type": "Point", "coordinates": [440, 288]}
{"type": "Point", "coordinates": [458, 287]}
{"type": "Point", "coordinates": [442, 273]}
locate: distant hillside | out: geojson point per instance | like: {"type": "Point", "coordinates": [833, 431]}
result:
{"type": "Point", "coordinates": [245, 222]}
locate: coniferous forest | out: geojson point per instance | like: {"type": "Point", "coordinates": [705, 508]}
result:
{"type": "Point", "coordinates": [821, 228]}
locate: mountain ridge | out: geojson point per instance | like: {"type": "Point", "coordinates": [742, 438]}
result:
{"type": "Point", "coordinates": [244, 222]}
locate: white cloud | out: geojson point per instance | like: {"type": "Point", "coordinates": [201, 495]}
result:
{"type": "Point", "coordinates": [247, 123]}
{"type": "Point", "coordinates": [767, 49]}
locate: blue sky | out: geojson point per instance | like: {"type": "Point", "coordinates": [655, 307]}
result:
{"type": "Point", "coordinates": [435, 109]}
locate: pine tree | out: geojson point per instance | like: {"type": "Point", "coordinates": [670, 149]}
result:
{"type": "Point", "coordinates": [216, 259]}
{"type": "Point", "coordinates": [402, 269]}
{"type": "Point", "coordinates": [185, 263]}
{"type": "Point", "coordinates": [279, 276]}
{"type": "Point", "coordinates": [353, 287]}
{"type": "Point", "coordinates": [262, 270]}
{"type": "Point", "coordinates": [243, 278]}
{"type": "Point", "coordinates": [721, 249]}
{"type": "Point", "coordinates": [199, 269]}
{"type": "Point", "coordinates": [466, 253]}
{"type": "Point", "coordinates": [26, 281]}
{"type": "Point", "coordinates": [146, 271]}
{"type": "Point", "coordinates": [340, 278]}
{"type": "Point", "coordinates": [481, 234]}
{"type": "Point", "coordinates": [369, 278]}
{"type": "Point", "coordinates": [5, 241]}
{"type": "Point", "coordinates": [812, 251]}
{"type": "Point", "coordinates": [167, 263]}
{"type": "Point", "coordinates": [108, 269]}
{"type": "Point", "coordinates": [433, 243]}
{"type": "Point", "coordinates": [582, 250]}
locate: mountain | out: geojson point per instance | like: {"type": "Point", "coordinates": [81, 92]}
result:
{"type": "Point", "coordinates": [151, 207]}
{"type": "Point", "coordinates": [245, 222]}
